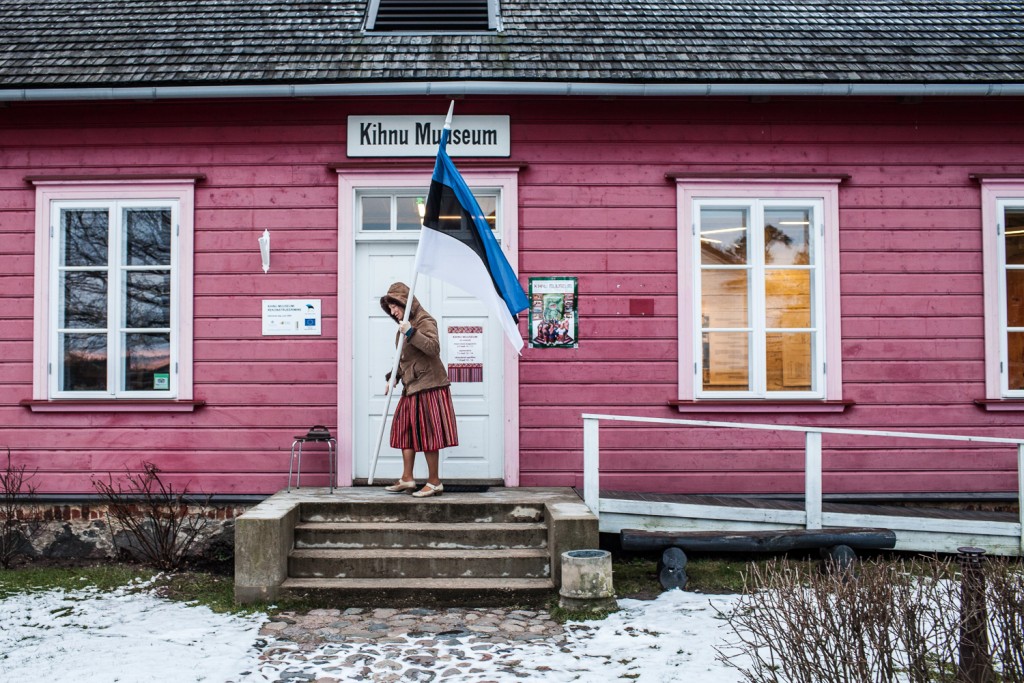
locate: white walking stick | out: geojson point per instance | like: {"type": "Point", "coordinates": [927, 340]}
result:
{"type": "Point", "coordinates": [392, 378]}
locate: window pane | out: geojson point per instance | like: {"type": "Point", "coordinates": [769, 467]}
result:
{"type": "Point", "coordinates": [1013, 236]}
{"type": "Point", "coordinates": [147, 235]}
{"type": "Point", "coordinates": [85, 362]}
{"type": "Point", "coordinates": [84, 237]}
{"type": "Point", "coordinates": [83, 300]}
{"type": "Point", "coordinates": [724, 298]}
{"type": "Point", "coordinates": [147, 299]}
{"type": "Point", "coordinates": [147, 362]}
{"type": "Point", "coordinates": [726, 361]}
{"type": "Point", "coordinates": [788, 298]}
{"type": "Point", "coordinates": [789, 361]}
{"type": "Point", "coordinates": [376, 213]}
{"type": "Point", "coordinates": [723, 236]}
{"type": "Point", "coordinates": [489, 205]}
{"type": "Point", "coordinates": [787, 236]}
{"type": "Point", "coordinates": [1015, 354]}
{"type": "Point", "coordinates": [409, 213]}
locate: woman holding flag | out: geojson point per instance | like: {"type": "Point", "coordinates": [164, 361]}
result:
{"type": "Point", "coordinates": [457, 246]}
{"type": "Point", "coordinates": [425, 417]}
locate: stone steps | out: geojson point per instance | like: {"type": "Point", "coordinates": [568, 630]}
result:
{"type": "Point", "coordinates": [440, 535]}
{"type": "Point", "coordinates": [364, 547]}
{"type": "Point", "coordinates": [419, 592]}
{"type": "Point", "coordinates": [390, 563]}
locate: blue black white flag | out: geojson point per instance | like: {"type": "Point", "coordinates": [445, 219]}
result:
{"type": "Point", "coordinates": [458, 246]}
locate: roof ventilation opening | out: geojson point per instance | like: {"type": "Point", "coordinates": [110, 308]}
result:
{"type": "Point", "coordinates": [432, 15]}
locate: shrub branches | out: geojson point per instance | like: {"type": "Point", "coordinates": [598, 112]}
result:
{"type": "Point", "coordinates": [18, 526]}
{"type": "Point", "coordinates": [156, 519]}
{"type": "Point", "coordinates": [892, 621]}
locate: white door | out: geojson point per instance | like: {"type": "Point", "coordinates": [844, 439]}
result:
{"type": "Point", "coordinates": [478, 404]}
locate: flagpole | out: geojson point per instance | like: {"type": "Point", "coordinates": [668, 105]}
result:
{"type": "Point", "coordinates": [392, 378]}
{"type": "Point", "coordinates": [401, 338]}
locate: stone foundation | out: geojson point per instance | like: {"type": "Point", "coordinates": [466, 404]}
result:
{"type": "Point", "coordinates": [81, 531]}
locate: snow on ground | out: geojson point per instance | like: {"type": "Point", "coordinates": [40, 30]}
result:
{"type": "Point", "coordinates": [91, 636]}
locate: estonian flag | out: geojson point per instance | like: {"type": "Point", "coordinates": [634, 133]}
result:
{"type": "Point", "coordinates": [457, 246]}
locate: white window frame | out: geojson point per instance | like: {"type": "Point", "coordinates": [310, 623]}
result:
{"type": "Point", "coordinates": [392, 233]}
{"type": "Point", "coordinates": [51, 197]}
{"type": "Point", "coordinates": [819, 194]}
{"type": "Point", "coordinates": [997, 196]}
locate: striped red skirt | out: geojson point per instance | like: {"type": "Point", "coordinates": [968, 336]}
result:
{"type": "Point", "coordinates": [425, 421]}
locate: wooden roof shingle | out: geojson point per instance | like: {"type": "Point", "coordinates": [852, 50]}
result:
{"type": "Point", "coordinates": [125, 43]}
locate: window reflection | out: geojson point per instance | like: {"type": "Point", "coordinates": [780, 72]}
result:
{"type": "Point", "coordinates": [787, 236]}
{"type": "Point", "coordinates": [407, 213]}
{"type": "Point", "coordinates": [724, 235]}
{"type": "Point", "coordinates": [84, 237]}
{"type": "Point", "coordinates": [376, 213]}
{"type": "Point", "coordinates": [147, 362]}
{"type": "Point", "coordinates": [147, 300]}
{"type": "Point", "coordinates": [147, 237]}
{"type": "Point", "coordinates": [1013, 236]}
{"type": "Point", "coordinates": [84, 296]}
{"type": "Point", "coordinates": [85, 362]}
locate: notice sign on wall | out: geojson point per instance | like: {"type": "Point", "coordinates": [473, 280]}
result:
{"type": "Point", "coordinates": [465, 354]}
{"type": "Point", "coordinates": [419, 136]}
{"type": "Point", "coordinates": [291, 317]}
{"type": "Point", "coordinates": [554, 320]}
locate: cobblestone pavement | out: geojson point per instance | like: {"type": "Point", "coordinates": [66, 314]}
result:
{"type": "Point", "coordinates": [400, 645]}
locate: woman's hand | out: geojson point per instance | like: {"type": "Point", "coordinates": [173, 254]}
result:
{"type": "Point", "coordinates": [404, 327]}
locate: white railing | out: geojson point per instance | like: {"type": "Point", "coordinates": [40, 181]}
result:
{"type": "Point", "coordinates": [812, 456]}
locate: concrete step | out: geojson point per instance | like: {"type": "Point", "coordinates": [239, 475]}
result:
{"type": "Point", "coordinates": [522, 563]}
{"type": "Point", "coordinates": [419, 592]}
{"type": "Point", "coordinates": [420, 535]}
{"type": "Point", "coordinates": [455, 508]}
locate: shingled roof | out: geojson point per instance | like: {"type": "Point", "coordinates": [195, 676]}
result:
{"type": "Point", "coordinates": [130, 43]}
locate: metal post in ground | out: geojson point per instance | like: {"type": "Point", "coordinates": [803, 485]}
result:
{"type": "Point", "coordinates": [975, 655]}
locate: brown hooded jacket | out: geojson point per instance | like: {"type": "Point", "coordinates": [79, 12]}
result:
{"type": "Point", "coordinates": [420, 367]}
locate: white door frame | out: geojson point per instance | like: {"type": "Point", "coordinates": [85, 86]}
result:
{"type": "Point", "coordinates": [505, 178]}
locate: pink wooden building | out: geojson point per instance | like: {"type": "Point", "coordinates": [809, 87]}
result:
{"type": "Point", "coordinates": [829, 232]}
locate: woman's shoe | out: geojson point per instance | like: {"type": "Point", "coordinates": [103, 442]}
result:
{"type": "Point", "coordinates": [400, 486]}
{"type": "Point", "coordinates": [429, 490]}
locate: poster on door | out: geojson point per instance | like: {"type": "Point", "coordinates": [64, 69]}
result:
{"type": "Point", "coordinates": [465, 354]}
{"type": "Point", "coordinates": [554, 318]}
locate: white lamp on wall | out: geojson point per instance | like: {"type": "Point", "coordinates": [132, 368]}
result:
{"type": "Point", "coordinates": [265, 250]}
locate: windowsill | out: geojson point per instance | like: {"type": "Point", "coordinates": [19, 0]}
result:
{"type": "Point", "coordinates": [994, 405]}
{"type": "Point", "coordinates": [749, 406]}
{"type": "Point", "coordinates": [99, 406]}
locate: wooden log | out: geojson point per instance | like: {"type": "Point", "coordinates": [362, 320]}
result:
{"type": "Point", "coordinates": [771, 541]}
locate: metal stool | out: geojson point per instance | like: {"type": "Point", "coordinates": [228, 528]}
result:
{"type": "Point", "coordinates": [332, 457]}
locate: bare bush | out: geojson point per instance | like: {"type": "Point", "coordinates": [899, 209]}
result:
{"type": "Point", "coordinates": [161, 524]}
{"type": "Point", "coordinates": [1005, 598]}
{"type": "Point", "coordinates": [18, 525]}
{"type": "Point", "coordinates": [887, 622]}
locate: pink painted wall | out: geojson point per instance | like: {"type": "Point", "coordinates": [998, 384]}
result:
{"type": "Point", "coordinates": [594, 202]}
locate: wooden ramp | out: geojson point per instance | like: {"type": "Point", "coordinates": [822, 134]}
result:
{"type": "Point", "coordinates": [917, 529]}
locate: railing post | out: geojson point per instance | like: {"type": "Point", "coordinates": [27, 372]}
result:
{"type": "Point", "coordinates": [1020, 493]}
{"type": "Point", "coordinates": [591, 469]}
{"type": "Point", "coordinates": [812, 480]}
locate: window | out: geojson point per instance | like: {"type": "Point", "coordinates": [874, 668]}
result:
{"type": "Point", "coordinates": [758, 291]}
{"type": "Point", "coordinates": [115, 295]}
{"type": "Point", "coordinates": [384, 211]}
{"type": "Point", "coordinates": [443, 16]}
{"type": "Point", "coordinates": [1003, 219]}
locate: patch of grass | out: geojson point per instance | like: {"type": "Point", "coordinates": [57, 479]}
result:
{"type": "Point", "coordinates": [217, 592]}
{"type": "Point", "coordinates": [638, 577]}
{"type": "Point", "coordinates": [29, 579]}
{"type": "Point", "coordinates": [561, 615]}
